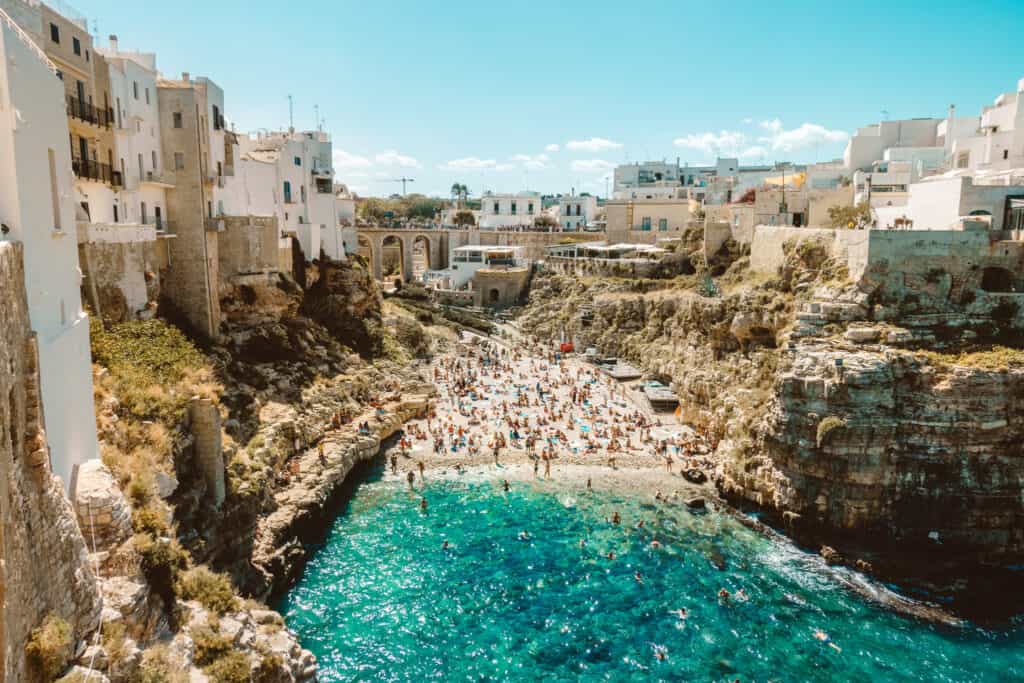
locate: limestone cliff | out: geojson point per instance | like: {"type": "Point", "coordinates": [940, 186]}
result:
{"type": "Point", "coordinates": [45, 570]}
{"type": "Point", "coordinates": [878, 415]}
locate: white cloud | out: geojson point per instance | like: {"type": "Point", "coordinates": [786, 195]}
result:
{"type": "Point", "coordinates": [468, 164]}
{"type": "Point", "coordinates": [591, 145]}
{"type": "Point", "coordinates": [552, 148]}
{"type": "Point", "coordinates": [393, 158]}
{"type": "Point", "coordinates": [726, 142]}
{"type": "Point", "coordinates": [591, 165]}
{"type": "Point", "coordinates": [343, 159]}
{"type": "Point", "coordinates": [748, 120]}
{"type": "Point", "coordinates": [532, 162]}
{"type": "Point", "coordinates": [755, 152]}
{"type": "Point", "coordinates": [807, 135]}
{"type": "Point", "coordinates": [504, 167]}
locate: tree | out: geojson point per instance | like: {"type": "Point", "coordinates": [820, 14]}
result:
{"type": "Point", "coordinates": [545, 221]}
{"type": "Point", "coordinates": [850, 217]}
{"type": "Point", "coordinates": [464, 218]}
{"type": "Point", "coordinates": [459, 193]}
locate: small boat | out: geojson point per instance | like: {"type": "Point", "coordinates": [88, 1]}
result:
{"type": "Point", "coordinates": [660, 396]}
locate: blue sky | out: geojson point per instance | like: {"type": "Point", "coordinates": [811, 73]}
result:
{"type": "Point", "coordinates": [483, 92]}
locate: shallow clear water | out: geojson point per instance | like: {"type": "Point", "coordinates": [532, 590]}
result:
{"type": "Point", "coordinates": [382, 601]}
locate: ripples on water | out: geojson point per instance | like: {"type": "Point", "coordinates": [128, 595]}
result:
{"type": "Point", "coordinates": [382, 601]}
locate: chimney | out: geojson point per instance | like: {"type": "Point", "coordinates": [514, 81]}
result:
{"type": "Point", "coordinates": [185, 76]}
{"type": "Point", "coordinates": [113, 43]}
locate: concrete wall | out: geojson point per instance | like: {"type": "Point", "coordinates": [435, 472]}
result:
{"type": "Point", "coordinates": [601, 267]}
{"type": "Point", "coordinates": [819, 201]}
{"type": "Point", "coordinates": [766, 250]}
{"type": "Point", "coordinates": [499, 288]}
{"type": "Point", "coordinates": [248, 244]}
{"type": "Point", "coordinates": [123, 272]}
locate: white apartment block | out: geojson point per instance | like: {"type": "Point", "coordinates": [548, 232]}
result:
{"type": "Point", "coordinates": [576, 212]}
{"type": "Point", "coordinates": [37, 208]}
{"type": "Point", "coordinates": [290, 174]}
{"type": "Point", "coordinates": [992, 142]}
{"type": "Point", "coordinates": [868, 144]}
{"type": "Point", "coordinates": [140, 157]}
{"type": "Point", "coordinates": [509, 210]}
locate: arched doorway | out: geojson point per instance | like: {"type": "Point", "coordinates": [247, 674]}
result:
{"type": "Point", "coordinates": [392, 255]}
{"type": "Point", "coordinates": [420, 257]}
{"type": "Point", "coordinates": [493, 296]}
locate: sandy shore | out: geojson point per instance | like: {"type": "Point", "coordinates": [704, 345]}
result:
{"type": "Point", "coordinates": [638, 469]}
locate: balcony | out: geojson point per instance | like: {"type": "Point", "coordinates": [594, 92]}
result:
{"type": "Point", "coordinates": [321, 170]}
{"type": "Point", "coordinates": [158, 179]}
{"type": "Point", "coordinates": [94, 170]}
{"type": "Point", "coordinates": [83, 111]}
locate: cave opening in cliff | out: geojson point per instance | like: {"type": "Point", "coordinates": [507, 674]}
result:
{"type": "Point", "coordinates": [997, 280]}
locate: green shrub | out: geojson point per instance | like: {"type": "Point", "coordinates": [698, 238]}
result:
{"type": "Point", "coordinates": [827, 425]}
{"type": "Point", "coordinates": [270, 669]}
{"type": "Point", "coordinates": [209, 645]}
{"type": "Point", "coordinates": [231, 668]}
{"type": "Point", "coordinates": [49, 647]}
{"type": "Point", "coordinates": [162, 559]}
{"type": "Point", "coordinates": [214, 591]}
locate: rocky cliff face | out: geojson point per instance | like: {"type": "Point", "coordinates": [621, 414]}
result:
{"type": "Point", "coordinates": [44, 568]}
{"type": "Point", "coordinates": [828, 412]}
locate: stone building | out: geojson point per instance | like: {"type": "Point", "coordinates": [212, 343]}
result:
{"type": "Point", "coordinates": [196, 160]}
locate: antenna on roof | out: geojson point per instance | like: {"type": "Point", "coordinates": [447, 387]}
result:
{"type": "Point", "coordinates": [291, 115]}
{"type": "Point", "coordinates": [316, 116]}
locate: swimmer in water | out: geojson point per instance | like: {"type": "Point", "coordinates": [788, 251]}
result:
{"type": "Point", "coordinates": [681, 613]}
{"type": "Point", "coordinates": [583, 543]}
{"type": "Point", "coordinates": [659, 652]}
{"type": "Point", "coordinates": [640, 524]}
{"type": "Point", "coordinates": [445, 545]}
{"type": "Point", "coordinates": [723, 595]}
{"type": "Point", "coordinates": [524, 535]}
{"type": "Point", "coordinates": [410, 478]}
{"type": "Point", "coordinates": [655, 544]}
{"type": "Point", "coordinates": [611, 555]}
{"type": "Point", "coordinates": [639, 578]}
{"type": "Point", "coordinates": [615, 517]}
{"type": "Point", "coordinates": [423, 504]}
{"type": "Point", "coordinates": [588, 484]}
{"type": "Point", "coordinates": [505, 485]}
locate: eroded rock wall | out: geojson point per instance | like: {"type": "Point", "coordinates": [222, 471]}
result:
{"type": "Point", "coordinates": [45, 569]}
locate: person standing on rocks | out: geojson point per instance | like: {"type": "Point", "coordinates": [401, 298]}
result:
{"type": "Point", "coordinates": [411, 478]}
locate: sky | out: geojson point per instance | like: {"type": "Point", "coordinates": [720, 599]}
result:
{"type": "Point", "coordinates": [551, 96]}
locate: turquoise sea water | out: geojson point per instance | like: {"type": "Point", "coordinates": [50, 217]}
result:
{"type": "Point", "coordinates": [382, 600]}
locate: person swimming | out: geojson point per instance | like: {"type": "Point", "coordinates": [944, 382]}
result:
{"type": "Point", "coordinates": [611, 555]}
{"type": "Point", "coordinates": [615, 517]}
{"type": "Point", "coordinates": [723, 595]}
{"type": "Point", "coordinates": [505, 485]}
{"type": "Point", "coordinates": [423, 504]}
{"type": "Point", "coordinates": [655, 544]}
{"type": "Point", "coordinates": [638, 576]}
{"type": "Point", "coordinates": [680, 613]}
{"type": "Point", "coordinates": [445, 545]}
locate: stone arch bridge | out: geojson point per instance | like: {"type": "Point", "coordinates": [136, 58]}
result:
{"type": "Point", "coordinates": [375, 240]}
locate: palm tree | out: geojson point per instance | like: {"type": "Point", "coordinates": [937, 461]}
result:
{"type": "Point", "coordinates": [459, 193]}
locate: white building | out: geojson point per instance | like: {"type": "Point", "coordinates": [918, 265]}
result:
{"type": "Point", "coordinates": [509, 210]}
{"type": "Point", "coordinates": [869, 144]}
{"type": "Point", "coordinates": [140, 158]}
{"type": "Point", "coordinates": [888, 180]}
{"type": "Point", "coordinates": [289, 174]}
{"type": "Point", "coordinates": [466, 261]}
{"type": "Point", "coordinates": [992, 142]}
{"type": "Point", "coordinates": [37, 208]}
{"type": "Point", "coordinates": [576, 212]}
{"type": "Point", "coordinates": [943, 202]}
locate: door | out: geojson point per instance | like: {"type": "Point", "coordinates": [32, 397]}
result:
{"type": "Point", "coordinates": [83, 155]}
{"type": "Point", "coordinates": [80, 91]}
{"type": "Point", "coordinates": [142, 210]}
{"type": "Point", "coordinates": [159, 219]}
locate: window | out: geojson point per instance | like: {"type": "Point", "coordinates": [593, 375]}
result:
{"type": "Point", "coordinates": [209, 209]}
{"type": "Point", "coordinates": [529, 208]}
{"type": "Point", "coordinates": [217, 120]}
{"type": "Point", "coordinates": [54, 33]}
{"type": "Point", "coordinates": [179, 161]}
{"type": "Point", "coordinates": [1006, 154]}
{"type": "Point", "coordinates": [135, 89]}
{"type": "Point", "coordinates": [147, 95]}
{"type": "Point", "coordinates": [220, 169]}
{"type": "Point", "coordinates": [662, 225]}
{"type": "Point", "coordinates": [298, 161]}
{"type": "Point", "coordinates": [76, 46]}
{"type": "Point", "coordinates": [645, 223]}
{"type": "Point", "coordinates": [302, 193]}
{"type": "Point", "coordinates": [287, 192]}
{"type": "Point", "coordinates": [155, 164]}
{"type": "Point", "coordinates": [60, 74]}
{"type": "Point", "coordinates": [177, 119]}
{"type": "Point", "coordinates": [87, 55]}
{"type": "Point", "coordinates": [963, 159]}
{"type": "Point", "coordinates": [142, 173]}
{"type": "Point", "coordinates": [115, 214]}
{"type": "Point", "coordinates": [54, 193]}
{"type": "Point", "coordinates": [119, 113]}
{"type": "Point", "coordinates": [513, 208]}
{"type": "Point", "coordinates": [496, 207]}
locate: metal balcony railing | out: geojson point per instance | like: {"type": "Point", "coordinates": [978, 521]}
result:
{"type": "Point", "coordinates": [83, 111]}
{"type": "Point", "coordinates": [87, 169]}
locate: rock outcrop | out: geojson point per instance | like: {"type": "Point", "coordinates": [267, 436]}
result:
{"type": "Point", "coordinates": [44, 568]}
{"type": "Point", "coordinates": [827, 412]}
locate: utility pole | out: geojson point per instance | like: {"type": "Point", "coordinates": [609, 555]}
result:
{"type": "Point", "coordinates": [404, 180]}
